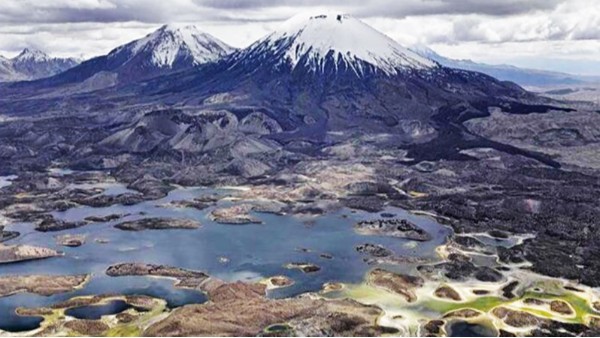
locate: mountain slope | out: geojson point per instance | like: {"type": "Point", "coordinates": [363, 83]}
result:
{"type": "Point", "coordinates": [33, 64]}
{"type": "Point", "coordinates": [522, 76]}
{"type": "Point", "coordinates": [170, 48]}
{"type": "Point", "coordinates": [7, 72]}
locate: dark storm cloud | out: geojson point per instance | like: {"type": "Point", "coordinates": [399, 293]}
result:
{"type": "Point", "coordinates": [106, 11]}
{"type": "Point", "coordinates": [485, 7]}
{"type": "Point", "coordinates": [101, 11]}
{"type": "Point", "coordinates": [386, 8]}
{"type": "Point", "coordinates": [261, 4]}
{"type": "Point", "coordinates": [154, 11]}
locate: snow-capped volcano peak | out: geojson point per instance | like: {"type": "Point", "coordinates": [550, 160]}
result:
{"type": "Point", "coordinates": [339, 39]}
{"type": "Point", "coordinates": [30, 54]}
{"type": "Point", "coordinates": [173, 43]}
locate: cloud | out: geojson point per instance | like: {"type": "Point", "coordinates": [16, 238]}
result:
{"type": "Point", "coordinates": [570, 21]}
{"type": "Point", "coordinates": [101, 11]}
{"type": "Point", "coordinates": [402, 8]}
{"type": "Point", "coordinates": [451, 7]}
{"type": "Point", "coordinates": [72, 39]}
{"type": "Point", "coordinates": [153, 11]}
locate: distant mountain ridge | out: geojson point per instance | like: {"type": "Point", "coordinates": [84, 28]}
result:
{"type": "Point", "coordinates": [33, 64]}
{"type": "Point", "coordinates": [521, 76]}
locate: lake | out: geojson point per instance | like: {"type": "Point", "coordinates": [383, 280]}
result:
{"type": "Point", "coordinates": [253, 251]}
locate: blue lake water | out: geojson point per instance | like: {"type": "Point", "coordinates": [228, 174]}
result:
{"type": "Point", "coordinates": [465, 329]}
{"type": "Point", "coordinates": [96, 312]}
{"type": "Point", "coordinates": [60, 171]}
{"type": "Point", "coordinates": [253, 251]}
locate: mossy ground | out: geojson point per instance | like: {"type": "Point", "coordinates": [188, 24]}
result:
{"type": "Point", "coordinates": [430, 307]}
{"type": "Point", "coordinates": [124, 331]}
{"type": "Point", "coordinates": [580, 305]}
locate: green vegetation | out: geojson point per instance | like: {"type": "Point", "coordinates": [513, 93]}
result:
{"type": "Point", "coordinates": [546, 291]}
{"type": "Point", "coordinates": [483, 304]}
{"type": "Point", "coordinates": [581, 305]}
{"type": "Point", "coordinates": [124, 331]}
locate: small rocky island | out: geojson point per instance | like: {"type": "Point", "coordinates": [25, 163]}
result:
{"type": "Point", "coordinates": [20, 253]}
{"type": "Point", "coordinates": [44, 285]}
{"type": "Point", "coordinates": [157, 224]}
{"type": "Point", "coordinates": [400, 228]}
{"type": "Point", "coordinates": [239, 215]}
{"type": "Point", "coordinates": [71, 240]}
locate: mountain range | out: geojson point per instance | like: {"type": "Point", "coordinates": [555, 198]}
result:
{"type": "Point", "coordinates": [176, 47]}
{"type": "Point", "coordinates": [315, 75]}
{"type": "Point", "coordinates": [521, 76]}
{"type": "Point", "coordinates": [32, 64]}
{"type": "Point", "coordinates": [170, 48]}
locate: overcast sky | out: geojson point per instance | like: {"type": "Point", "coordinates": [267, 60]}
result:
{"type": "Point", "coordinates": [562, 35]}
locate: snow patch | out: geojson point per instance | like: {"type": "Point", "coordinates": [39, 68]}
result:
{"type": "Point", "coordinates": [29, 54]}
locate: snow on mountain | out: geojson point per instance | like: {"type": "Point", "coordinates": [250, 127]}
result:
{"type": "Point", "coordinates": [33, 64]}
{"type": "Point", "coordinates": [170, 48]}
{"type": "Point", "coordinates": [335, 39]}
{"type": "Point", "coordinates": [31, 55]}
{"type": "Point", "coordinates": [173, 44]}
